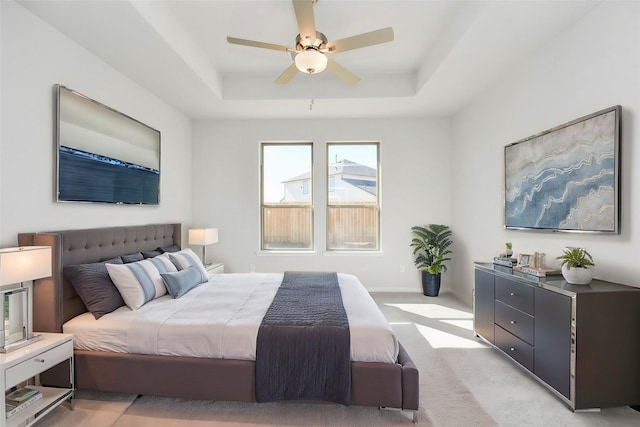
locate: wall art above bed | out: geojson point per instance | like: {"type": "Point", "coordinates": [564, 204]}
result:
{"type": "Point", "coordinates": [104, 155]}
{"type": "Point", "coordinates": [566, 178]}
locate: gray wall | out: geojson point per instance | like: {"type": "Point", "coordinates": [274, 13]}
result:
{"type": "Point", "coordinates": [34, 58]}
{"type": "Point", "coordinates": [415, 189]}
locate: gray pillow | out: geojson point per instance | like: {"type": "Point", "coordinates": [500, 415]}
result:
{"type": "Point", "coordinates": [180, 282]}
{"type": "Point", "coordinates": [172, 248]}
{"type": "Point", "coordinates": [94, 286]}
{"type": "Point", "coordinates": [135, 257]}
{"type": "Point", "coordinates": [151, 254]}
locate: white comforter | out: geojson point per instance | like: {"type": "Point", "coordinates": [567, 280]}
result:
{"type": "Point", "coordinates": [220, 319]}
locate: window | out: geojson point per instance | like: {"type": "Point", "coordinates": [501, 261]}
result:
{"type": "Point", "coordinates": [353, 196]}
{"type": "Point", "coordinates": [286, 196]}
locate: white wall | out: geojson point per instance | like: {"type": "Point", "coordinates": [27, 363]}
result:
{"type": "Point", "coordinates": [593, 65]}
{"type": "Point", "coordinates": [415, 190]}
{"type": "Point", "coordinates": [34, 58]}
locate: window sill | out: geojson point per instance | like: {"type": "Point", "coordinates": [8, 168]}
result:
{"type": "Point", "coordinates": [285, 253]}
{"type": "Point", "coordinates": [324, 253]}
{"type": "Point", "coordinates": [355, 253]}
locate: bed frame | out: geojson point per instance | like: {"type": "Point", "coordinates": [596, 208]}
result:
{"type": "Point", "coordinates": [55, 302]}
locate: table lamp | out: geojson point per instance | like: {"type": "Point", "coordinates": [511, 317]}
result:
{"type": "Point", "coordinates": [203, 237]}
{"type": "Point", "coordinates": [19, 265]}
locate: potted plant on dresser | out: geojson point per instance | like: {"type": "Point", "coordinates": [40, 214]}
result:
{"type": "Point", "coordinates": [576, 266]}
{"type": "Point", "coordinates": [431, 249]}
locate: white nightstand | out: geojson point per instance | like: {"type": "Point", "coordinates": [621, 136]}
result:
{"type": "Point", "coordinates": [214, 268]}
{"type": "Point", "coordinates": [25, 364]}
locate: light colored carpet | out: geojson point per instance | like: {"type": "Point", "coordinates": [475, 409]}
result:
{"type": "Point", "coordinates": [95, 409]}
{"type": "Point", "coordinates": [463, 383]}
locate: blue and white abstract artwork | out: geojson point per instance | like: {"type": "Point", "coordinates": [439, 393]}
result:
{"type": "Point", "coordinates": [565, 179]}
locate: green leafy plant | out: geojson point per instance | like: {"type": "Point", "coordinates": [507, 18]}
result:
{"type": "Point", "coordinates": [576, 257]}
{"type": "Point", "coordinates": [431, 247]}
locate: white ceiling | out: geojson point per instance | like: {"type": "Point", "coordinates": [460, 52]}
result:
{"type": "Point", "coordinates": [444, 53]}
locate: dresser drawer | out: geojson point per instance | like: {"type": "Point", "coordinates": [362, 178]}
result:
{"type": "Point", "coordinates": [515, 321]}
{"type": "Point", "coordinates": [37, 363]}
{"type": "Point", "coordinates": [515, 294]}
{"type": "Point", "coordinates": [514, 347]}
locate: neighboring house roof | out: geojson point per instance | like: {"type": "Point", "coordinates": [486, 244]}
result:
{"type": "Point", "coordinates": [348, 167]}
{"type": "Point", "coordinates": [364, 185]}
{"type": "Point", "coordinates": [300, 177]}
{"type": "Point", "coordinates": [343, 167]}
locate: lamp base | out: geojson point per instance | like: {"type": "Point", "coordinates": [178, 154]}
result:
{"type": "Point", "coordinates": [19, 344]}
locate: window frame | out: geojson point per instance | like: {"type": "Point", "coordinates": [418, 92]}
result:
{"type": "Point", "coordinates": [310, 205]}
{"type": "Point", "coordinates": [377, 206]}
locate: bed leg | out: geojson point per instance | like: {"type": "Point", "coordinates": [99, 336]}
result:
{"type": "Point", "coordinates": [415, 413]}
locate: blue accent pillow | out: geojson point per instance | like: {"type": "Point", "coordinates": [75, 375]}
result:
{"type": "Point", "coordinates": [180, 282]}
{"type": "Point", "coordinates": [186, 258]}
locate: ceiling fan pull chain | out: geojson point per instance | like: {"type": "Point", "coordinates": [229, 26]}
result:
{"type": "Point", "coordinates": [311, 86]}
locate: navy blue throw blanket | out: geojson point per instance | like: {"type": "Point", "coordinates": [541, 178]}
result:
{"type": "Point", "coordinates": [303, 350]}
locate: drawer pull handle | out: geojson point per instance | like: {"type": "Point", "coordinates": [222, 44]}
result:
{"type": "Point", "coordinates": [513, 322]}
{"type": "Point", "coordinates": [512, 349]}
{"type": "Point", "coordinates": [39, 360]}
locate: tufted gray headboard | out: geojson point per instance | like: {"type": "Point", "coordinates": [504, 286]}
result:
{"type": "Point", "coordinates": [54, 299]}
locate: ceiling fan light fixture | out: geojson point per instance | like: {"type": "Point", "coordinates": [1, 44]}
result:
{"type": "Point", "coordinates": [311, 61]}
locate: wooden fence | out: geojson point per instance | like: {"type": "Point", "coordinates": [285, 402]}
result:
{"type": "Point", "coordinates": [347, 227]}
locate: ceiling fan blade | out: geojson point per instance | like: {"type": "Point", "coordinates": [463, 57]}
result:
{"type": "Point", "coordinates": [306, 21]}
{"type": "Point", "coordinates": [371, 38]}
{"type": "Point", "coordinates": [287, 75]}
{"type": "Point", "coordinates": [339, 71]}
{"type": "Point", "coordinates": [252, 43]}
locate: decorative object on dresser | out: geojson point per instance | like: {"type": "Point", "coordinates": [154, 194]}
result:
{"type": "Point", "coordinates": [581, 342]}
{"type": "Point", "coordinates": [576, 166]}
{"type": "Point", "coordinates": [576, 266]}
{"type": "Point", "coordinates": [533, 264]}
{"type": "Point", "coordinates": [431, 249]}
{"type": "Point", "coordinates": [18, 265]}
{"type": "Point", "coordinates": [508, 250]}
{"type": "Point", "coordinates": [203, 237]}
{"type": "Point", "coordinates": [505, 259]}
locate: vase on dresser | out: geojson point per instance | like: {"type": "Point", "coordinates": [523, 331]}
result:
{"type": "Point", "coordinates": [577, 275]}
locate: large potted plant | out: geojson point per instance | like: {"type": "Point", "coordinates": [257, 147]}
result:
{"type": "Point", "coordinates": [576, 266]}
{"type": "Point", "coordinates": [431, 249]}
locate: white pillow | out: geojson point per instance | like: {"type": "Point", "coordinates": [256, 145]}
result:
{"type": "Point", "coordinates": [139, 282]}
{"type": "Point", "coordinates": [185, 258]}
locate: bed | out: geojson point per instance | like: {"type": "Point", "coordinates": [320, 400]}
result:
{"type": "Point", "coordinates": [388, 384]}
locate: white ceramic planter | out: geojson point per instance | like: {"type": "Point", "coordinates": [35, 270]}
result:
{"type": "Point", "coordinates": [577, 276]}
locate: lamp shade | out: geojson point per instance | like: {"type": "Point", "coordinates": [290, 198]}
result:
{"type": "Point", "coordinates": [311, 61]}
{"type": "Point", "coordinates": [203, 236]}
{"type": "Point", "coordinates": [24, 263]}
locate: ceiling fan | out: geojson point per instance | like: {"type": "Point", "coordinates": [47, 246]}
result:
{"type": "Point", "coordinates": [311, 46]}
